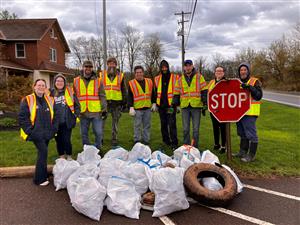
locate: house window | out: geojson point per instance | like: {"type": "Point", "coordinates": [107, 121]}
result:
{"type": "Point", "coordinates": [20, 50]}
{"type": "Point", "coordinates": [52, 55]}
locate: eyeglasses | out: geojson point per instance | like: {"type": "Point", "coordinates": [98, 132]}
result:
{"type": "Point", "coordinates": [88, 66]}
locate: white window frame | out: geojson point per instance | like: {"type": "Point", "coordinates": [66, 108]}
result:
{"type": "Point", "coordinates": [16, 51]}
{"type": "Point", "coordinates": [52, 34]}
{"type": "Point", "coordinates": [53, 55]}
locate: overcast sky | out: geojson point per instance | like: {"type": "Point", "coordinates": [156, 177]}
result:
{"type": "Point", "coordinates": [219, 26]}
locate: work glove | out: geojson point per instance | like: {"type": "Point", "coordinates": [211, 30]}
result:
{"type": "Point", "coordinates": [104, 115]}
{"type": "Point", "coordinates": [204, 108]}
{"type": "Point", "coordinates": [132, 111]}
{"type": "Point", "coordinates": [245, 86]}
{"type": "Point", "coordinates": [154, 107]}
{"type": "Point", "coordinates": [178, 109]}
{"type": "Point", "coordinates": [170, 110]}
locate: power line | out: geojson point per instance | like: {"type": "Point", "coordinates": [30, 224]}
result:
{"type": "Point", "coordinates": [187, 38]}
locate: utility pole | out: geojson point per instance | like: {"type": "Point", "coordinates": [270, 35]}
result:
{"type": "Point", "coordinates": [181, 33]}
{"type": "Point", "coordinates": [104, 35]}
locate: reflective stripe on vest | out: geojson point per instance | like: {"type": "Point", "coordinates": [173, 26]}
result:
{"type": "Point", "coordinates": [211, 85]}
{"type": "Point", "coordinates": [112, 88]}
{"type": "Point", "coordinates": [191, 95]}
{"type": "Point", "coordinates": [255, 105]}
{"type": "Point", "coordinates": [69, 97]}
{"type": "Point", "coordinates": [141, 99]}
{"type": "Point", "coordinates": [171, 87]}
{"type": "Point", "coordinates": [31, 102]}
{"type": "Point", "coordinates": [88, 97]}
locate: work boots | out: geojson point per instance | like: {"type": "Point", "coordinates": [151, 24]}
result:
{"type": "Point", "coordinates": [251, 156]}
{"type": "Point", "coordinates": [244, 146]}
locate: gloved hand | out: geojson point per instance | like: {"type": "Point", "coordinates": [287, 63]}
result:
{"type": "Point", "coordinates": [132, 111]}
{"type": "Point", "coordinates": [154, 107]}
{"type": "Point", "coordinates": [104, 115]}
{"type": "Point", "coordinates": [204, 108]}
{"type": "Point", "coordinates": [245, 86]}
{"type": "Point", "coordinates": [178, 109]}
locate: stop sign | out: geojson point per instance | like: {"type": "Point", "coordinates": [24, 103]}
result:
{"type": "Point", "coordinates": [228, 102]}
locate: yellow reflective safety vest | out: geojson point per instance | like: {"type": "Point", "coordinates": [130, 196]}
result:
{"type": "Point", "coordinates": [211, 85]}
{"type": "Point", "coordinates": [141, 99]}
{"type": "Point", "coordinates": [171, 87]}
{"type": "Point", "coordinates": [255, 105]}
{"type": "Point", "coordinates": [112, 88]}
{"type": "Point", "coordinates": [69, 98]}
{"type": "Point", "coordinates": [88, 96]}
{"type": "Point", "coordinates": [191, 95]}
{"type": "Point", "coordinates": [31, 102]}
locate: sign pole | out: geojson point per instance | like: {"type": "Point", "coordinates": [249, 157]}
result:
{"type": "Point", "coordinates": [228, 142]}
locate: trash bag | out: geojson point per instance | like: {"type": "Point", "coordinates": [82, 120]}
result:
{"type": "Point", "coordinates": [118, 153]}
{"type": "Point", "coordinates": [211, 183]}
{"type": "Point", "coordinates": [161, 157]}
{"type": "Point", "coordinates": [136, 172]}
{"type": "Point", "coordinates": [189, 152]}
{"type": "Point", "coordinates": [111, 167]}
{"type": "Point", "coordinates": [239, 184]}
{"type": "Point", "coordinates": [167, 184]}
{"type": "Point", "coordinates": [122, 198]}
{"type": "Point", "coordinates": [87, 170]}
{"type": "Point", "coordinates": [139, 151]}
{"type": "Point", "coordinates": [62, 170]}
{"type": "Point", "coordinates": [89, 155]}
{"type": "Point", "coordinates": [89, 197]}
{"type": "Point", "coordinates": [209, 157]}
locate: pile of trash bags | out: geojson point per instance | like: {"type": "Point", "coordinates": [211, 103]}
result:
{"type": "Point", "coordinates": [121, 177]}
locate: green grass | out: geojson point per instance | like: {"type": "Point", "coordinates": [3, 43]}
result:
{"type": "Point", "coordinates": [278, 151]}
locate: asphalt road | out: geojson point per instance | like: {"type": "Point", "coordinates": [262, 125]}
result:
{"type": "Point", "coordinates": [282, 98]}
{"type": "Point", "coordinates": [24, 203]}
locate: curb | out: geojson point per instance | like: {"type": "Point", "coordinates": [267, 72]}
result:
{"type": "Point", "coordinates": [20, 171]}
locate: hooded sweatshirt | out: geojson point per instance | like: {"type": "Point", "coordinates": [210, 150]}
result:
{"type": "Point", "coordinates": [164, 85]}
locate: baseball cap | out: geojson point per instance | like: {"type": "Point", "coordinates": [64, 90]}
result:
{"type": "Point", "coordinates": [188, 61]}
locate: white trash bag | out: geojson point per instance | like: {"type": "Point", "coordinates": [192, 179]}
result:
{"type": "Point", "coordinates": [61, 172]}
{"type": "Point", "coordinates": [161, 157]}
{"type": "Point", "coordinates": [239, 184]}
{"type": "Point", "coordinates": [110, 167]}
{"type": "Point", "coordinates": [89, 197]}
{"type": "Point", "coordinates": [89, 155]}
{"type": "Point", "coordinates": [139, 151]}
{"type": "Point", "coordinates": [211, 183]}
{"type": "Point", "coordinates": [167, 184]}
{"type": "Point", "coordinates": [209, 157]}
{"type": "Point", "coordinates": [118, 153]}
{"type": "Point", "coordinates": [186, 155]}
{"type": "Point", "coordinates": [122, 198]}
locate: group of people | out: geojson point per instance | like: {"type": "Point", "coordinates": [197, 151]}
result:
{"type": "Point", "coordinates": [44, 116]}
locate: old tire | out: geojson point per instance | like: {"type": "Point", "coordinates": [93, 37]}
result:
{"type": "Point", "coordinates": [203, 195]}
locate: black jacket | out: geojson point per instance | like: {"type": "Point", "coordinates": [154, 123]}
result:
{"type": "Point", "coordinates": [69, 117]}
{"type": "Point", "coordinates": [43, 128]}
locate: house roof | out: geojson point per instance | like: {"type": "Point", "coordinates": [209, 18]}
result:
{"type": "Point", "coordinates": [55, 68]}
{"type": "Point", "coordinates": [13, 65]}
{"type": "Point", "coordinates": [29, 29]}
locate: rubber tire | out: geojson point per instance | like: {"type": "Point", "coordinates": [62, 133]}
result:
{"type": "Point", "coordinates": [203, 195]}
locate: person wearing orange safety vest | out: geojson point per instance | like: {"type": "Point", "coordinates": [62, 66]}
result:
{"type": "Point", "coordinates": [114, 85]}
{"type": "Point", "coordinates": [38, 124]}
{"type": "Point", "coordinates": [191, 94]}
{"type": "Point", "coordinates": [67, 110]}
{"type": "Point", "coordinates": [141, 101]}
{"type": "Point", "coordinates": [164, 88]}
{"type": "Point", "coordinates": [90, 92]}
{"type": "Point", "coordinates": [246, 127]}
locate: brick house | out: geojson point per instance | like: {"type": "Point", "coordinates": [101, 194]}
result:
{"type": "Point", "coordinates": [34, 48]}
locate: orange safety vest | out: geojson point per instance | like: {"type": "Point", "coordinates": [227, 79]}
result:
{"type": "Point", "coordinates": [31, 102]}
{"type": "Point", "coordinates": [141, 99]}
{"type": "Point", "coordinates": [112, 88]}
{"type": "Point", "coordinates": [69, 97]}
{"type": "Point", "coordinates": [171, 87]}
{"type": "Point", "coordinates": [88, 96]}
{"type": "Point", "coordinates": [255, 105]}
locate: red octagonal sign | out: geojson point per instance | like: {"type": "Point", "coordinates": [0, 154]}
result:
{"type": "Point", "coordinates": [228, 102]}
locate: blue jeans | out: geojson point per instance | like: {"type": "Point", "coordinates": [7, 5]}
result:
{"type": "Point", "coordinates": [97, 129]}
{"type": "Point", "coordinates": [142, 125]}
{"type": "Point", "coordinates": [246, 128]}
{"type": "Point", "coordinates": [188, 114]}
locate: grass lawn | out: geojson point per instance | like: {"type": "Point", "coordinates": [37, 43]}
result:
{"type": "Point", "coordinates": [278, 151]}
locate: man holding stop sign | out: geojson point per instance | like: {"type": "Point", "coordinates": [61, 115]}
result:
{"type": "Point", "coordinates": [246, 127]}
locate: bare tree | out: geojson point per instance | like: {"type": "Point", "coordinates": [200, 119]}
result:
{"type": "Point", "coordinates": [200, 63]}
{"type": "Point", "coordinates": [134, 41]}
{"type": "Point", "coordinates": [6, 15]}
{"type": "Point", "coordinates": [152, 50]}
{"type": "Point", "coordinates": [117, 46]}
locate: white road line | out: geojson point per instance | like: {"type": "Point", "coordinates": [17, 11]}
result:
{"type": "Point", "coordinates": [272, 192]}
{"type": "Point", "coordinates": [239, 215]}
{"type": "Point", "coordinates": [275, 93]}
{"type": "Point", "coordinates": [280, 102]}
{"type": "Point", "coordinates": [166, 220]}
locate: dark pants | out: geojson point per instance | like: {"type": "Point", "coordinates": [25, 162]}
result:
{"type": "Point", "coordinates": [246, 128]}
{"type": "Point", "coordinates": [41, 174]}
{"type": "Point", "coordinates": [63, 140]}
{"type": "Point", "coordinates": [217, 126]}
{"type": "Point", "coordinates": [97, 129]}
{"type": "Point", "coordinates": [168, 126]}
